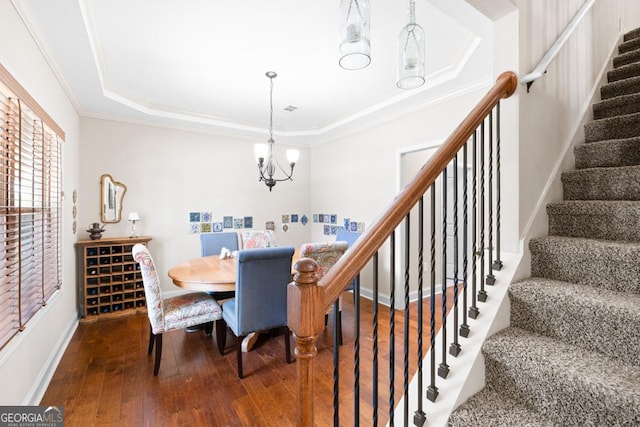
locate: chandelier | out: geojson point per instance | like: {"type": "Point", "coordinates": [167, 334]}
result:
{"type": "Point", "coordinates": [268, 165]}
{"type": "Point", "coordinates": [355, 45]}
{"type": "Point", "coordinates": [410, 71]}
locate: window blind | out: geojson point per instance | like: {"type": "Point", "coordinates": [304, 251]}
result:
{"type": "Point", "coordinates": [30, 209]}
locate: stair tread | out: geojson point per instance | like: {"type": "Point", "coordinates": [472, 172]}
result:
{"type": "Point", "coordinates": [490, 408]}
{"type": "Point", "coordinates": [620, 87]}
{"type": "Point", "coordinates": [586, 243]}
{"type": "Point", "coordinates": [624, 72]}
{"type": "Point", "coordinates": [602, 183]}
{"type": "Point", "coordinates": [592, 206]}
{"type": "Point", "coordinates": [587, 384]}
{"type": "Point", "coordinates": [617, 105]}
{"type": "Point", "coordinates": [589, 296]}
{"type": "Point", "coordinates": [608, 153]}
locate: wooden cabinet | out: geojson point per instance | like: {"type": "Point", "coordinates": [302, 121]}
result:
{"type": "Point", "coordinates": [109, 279]}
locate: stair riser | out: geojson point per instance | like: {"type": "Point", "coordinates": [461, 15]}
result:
{"type": "Point", "coordinates": [602, 184]}
{"type": "Point", "coordinates": [633, 34]}
{"type": "Point", "coordinates": [617, 110]}
{"type": "Point", "coordinates": [625, 152]}
{"type": "Point", "coordinates": [610, 268]}
{"type": "Point", "coordinates": [626, 58]}
{"type": "Point", "coordinates": [622, 227]}
{"type": "Point", "coordinates": [564, 404]}
{"type": "Point", "coordinates": [626, 72]}
{"type": "Point", "coordinates": [627, 86]}
{"type": "Point", "coordinates": [609, 331]}
{"type": "Point", "coordinates": [613, 128]}
{"type": "Point", "coordinates": [629, 46]}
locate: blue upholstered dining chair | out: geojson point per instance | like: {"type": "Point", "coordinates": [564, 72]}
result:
{"type": "Point", "coordinates": [167, 314]}
{"type": "Point", "coordinates": [326, 254]}
{"type": "Point", "coordinates": [262, 276]}
{"type": "Point", "coordinates": [212, 244]}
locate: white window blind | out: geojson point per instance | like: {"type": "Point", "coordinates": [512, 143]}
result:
{"type": "Point", "coordinates": [30, 219]}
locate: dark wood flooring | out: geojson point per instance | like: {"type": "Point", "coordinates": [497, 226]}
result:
{"type": "Point", "coordinates": [105, 377]}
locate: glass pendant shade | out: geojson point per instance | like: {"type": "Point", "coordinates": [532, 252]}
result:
{"type": "Point", "coordinates": [410, 72]}
{"type": "Point", "coordinates": [355, 43]}
{"type": "Point", "coordinates": [410, 68]}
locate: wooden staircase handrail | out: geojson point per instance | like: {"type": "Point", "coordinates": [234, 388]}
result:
{"type": "Point", "coordinates": [347, 268]}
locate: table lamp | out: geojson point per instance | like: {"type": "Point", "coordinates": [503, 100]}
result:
{"type": "Point", "coordinates": [133, 217]}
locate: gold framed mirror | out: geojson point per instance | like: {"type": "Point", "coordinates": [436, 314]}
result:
{"type": "Point", "coordinates": [111, 195]}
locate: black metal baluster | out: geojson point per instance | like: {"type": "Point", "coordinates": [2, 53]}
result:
{"type": "Point", "coordinates": [375, 340]}
{"type": "Point", "coordinates": [473, 310]}
{"type": "Point", "coordinates": [419, 416]}
{"type": "Point", "coordinates": [356, 353]}
{"type": "Point", "coordinates": [464, 328]}
{"type": "Point", "coordinates": [455, 348]}
{"type": "Point", "coordinates": [392, 328]}
{"type": "Point", "coordinates": [482, 294]}
{"type": "Point", "coordinates": [432, 390]}
{"type": "Point", "coordinates": [407, 222]}
{"type": "Point", "coordinates": [491, 279]}
{"type": "Point", "coordinates": [336, 367]}
{"type": "Point", "coordinates": [497, 264]}
{"type": "Point", "coordinates": [443, 368]}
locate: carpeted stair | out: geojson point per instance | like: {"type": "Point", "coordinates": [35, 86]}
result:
{"type": "Point", "coordinates": [571, 356]}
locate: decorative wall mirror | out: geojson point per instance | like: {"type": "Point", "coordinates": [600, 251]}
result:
{"type": "Point", "coordinates": [111, 195]}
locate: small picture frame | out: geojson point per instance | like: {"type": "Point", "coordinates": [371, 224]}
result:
{"type": "Point", "coordinates": [194, 216]}
{"type": "Point", "coordinates": [217, 227]}
{"type": "Point", "coordinates": [248, 222]}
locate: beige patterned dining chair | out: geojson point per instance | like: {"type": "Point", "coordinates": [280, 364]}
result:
{"type": "Point", "coordinates": [167, 314]}
{"type": "Point", "coordinates": [326, 254]}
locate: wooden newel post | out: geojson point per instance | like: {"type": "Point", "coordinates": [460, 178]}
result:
{"type": "Point", "coordinates": [305, 316]}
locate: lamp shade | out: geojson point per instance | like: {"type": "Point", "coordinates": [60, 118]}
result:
{"type": "Point", "coordinates": [133, 216]}
{"type": "Point", "coordinates": [355, 43]}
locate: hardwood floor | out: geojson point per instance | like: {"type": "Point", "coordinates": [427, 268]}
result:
{"type": "Point", "coordinates": [105, 377]}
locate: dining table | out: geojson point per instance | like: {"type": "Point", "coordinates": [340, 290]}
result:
{"type": "Point", "coordinates": [214, 274]}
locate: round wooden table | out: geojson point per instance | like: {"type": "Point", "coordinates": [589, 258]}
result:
{"type": "Point", "coordinates": [207, 274]}
{"type": "Point", "coordinates": [212, 274]}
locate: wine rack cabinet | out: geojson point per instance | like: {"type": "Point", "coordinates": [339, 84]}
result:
{"type": "Point", "coordinates": [109, 279]}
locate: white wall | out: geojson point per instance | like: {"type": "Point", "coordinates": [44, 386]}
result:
{"type": "Point", "coordinates": [169, 173]}
{"type": "Point", "coordinates": [358, 176]}
{"type": "Point", "coordinates": [28, 361]}
{"type": "Point", "coordinates": [560, 99]}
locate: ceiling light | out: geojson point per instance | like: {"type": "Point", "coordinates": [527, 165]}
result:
{"type": "Point", "coordinates": [410, 70]}
{"type": "Point", "coordinates": [267, 163]}
{"type": "Point", "coordinates": [355, 45]}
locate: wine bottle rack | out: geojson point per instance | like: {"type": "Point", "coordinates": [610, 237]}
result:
{"type": "Point", "coordinates": [109, 279]}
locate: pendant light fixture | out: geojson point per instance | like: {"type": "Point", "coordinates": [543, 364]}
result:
{"type": "Point", "coordinates": [410, 72]}
{"type": "Point", "coordinates": [267, 163]}
{"type": "Point", "coordinates": [355, 44]}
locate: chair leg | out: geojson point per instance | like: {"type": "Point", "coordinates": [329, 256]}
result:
{"type": "Point", "coordinates": [151, 340]}
{"type": "Point", "coordinates": [208, 328]}
{"type": "Point", "coordinates": [221, 335]}
{"type": "Point", "coordinates": [156, 366]}
{"type": "Point", "coordinates": [239, 355]}
{"type": "Point", "coordinates": [287, 343]}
